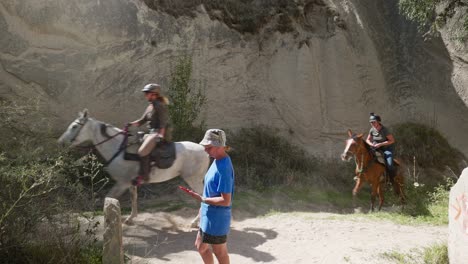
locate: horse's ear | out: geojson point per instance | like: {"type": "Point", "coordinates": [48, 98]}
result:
{"type": "Point", "coordinates": [360, 135]}
{"type": "Point", "coordinates": [83, 114]}
{"type": "Point", "coordinates": [350, 133]}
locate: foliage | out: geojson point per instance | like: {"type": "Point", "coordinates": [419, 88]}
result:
{"type": "Point", "coordinates": [434, 254]}
{"type": "Point", "coordinates": [262, 159]}
{"type": "Point", "coordinates": [423, 12]}
{"type": "Point", "coordinates": [426, 146]}
{"type": "Point", "coordinates": [420, 11]}
{"type": "Point", "coordinates": [187, 101]}
{"type": "Point", "coordinates": [427, 204]}
{"type": "Point", "coordinates": [39, 199]}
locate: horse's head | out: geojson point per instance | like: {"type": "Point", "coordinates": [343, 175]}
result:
{"type": "Point", "coordinates": [352, 144]}
{"type": "Point", "coordinates": [74, 135]}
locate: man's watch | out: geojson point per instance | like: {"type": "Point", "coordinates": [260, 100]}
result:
{"type": "Point", "coordinates": [203, 200]}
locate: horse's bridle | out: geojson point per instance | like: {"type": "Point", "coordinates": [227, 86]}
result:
{"type": "Point", "coordinates": [78, 132]}
{"type": "Point", "coordinates": [122, 145]}
{"type": "Point", "coordinates": [97, 144]}
{"type": "Point", "coordinates": [360, 167]}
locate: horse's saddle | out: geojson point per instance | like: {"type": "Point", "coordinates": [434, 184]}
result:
{"type": "Point", "coordinates": [379, 157]}
{"type": "Point", "coordinates": [162, 156]}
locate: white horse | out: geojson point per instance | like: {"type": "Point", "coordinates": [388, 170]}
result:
{"type": "Point", "coordinates": [191, 161]}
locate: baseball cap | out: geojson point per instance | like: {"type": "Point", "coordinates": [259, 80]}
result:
{"type": "Point", "coordinates": [214, 137]}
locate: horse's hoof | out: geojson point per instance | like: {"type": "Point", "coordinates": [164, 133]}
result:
{"type": "Point", "coordinates": [358, 210]}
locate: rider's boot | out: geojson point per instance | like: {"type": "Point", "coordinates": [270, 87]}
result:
{"type": "Point", "coordinates": [145, 168]}
{"type": "Point", "coordinates": [143, 174]}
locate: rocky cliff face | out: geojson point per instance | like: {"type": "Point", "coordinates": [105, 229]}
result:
{"type": "Point", "coordinates": [341, 60]}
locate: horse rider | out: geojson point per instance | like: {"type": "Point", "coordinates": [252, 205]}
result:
{"type": "Point", "coordinates": [381, 139]}
{"type": "Point", "coordinates": [157, 117]}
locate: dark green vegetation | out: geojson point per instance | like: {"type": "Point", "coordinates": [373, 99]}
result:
{"type": "Point", "coordinates": [424, 147]}
{"type": "Point", "coordinates": [42, 196]}
{"type": "Point", "coordinates": [267, 163]}
{"type": "Point", "coordinates": [423, 12]}
{"type": "Point", "coordinates": [187, 98]}
{"type": "Point", "coordinates": [435, 254]}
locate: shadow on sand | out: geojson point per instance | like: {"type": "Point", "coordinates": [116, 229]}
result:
{"type": "Point", "coordinates": [154, 243]}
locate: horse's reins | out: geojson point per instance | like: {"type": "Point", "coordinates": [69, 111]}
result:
{"type": "Point", "coordinates": [122, 146]}
{"type": "Point", "coordinates": [361, 169]}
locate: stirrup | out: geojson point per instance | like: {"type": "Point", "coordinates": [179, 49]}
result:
{"type": "Point", "coordinates": [138, 181]}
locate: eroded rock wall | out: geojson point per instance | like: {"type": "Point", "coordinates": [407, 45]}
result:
{"type": "Point", "coordinates": [344, 60]}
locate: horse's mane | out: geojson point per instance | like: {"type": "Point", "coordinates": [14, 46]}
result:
{"type": "Point", "coordinates": [365, 144]}
{"type": "Point", "coordinates": [103, 128]}
{"type": "Point", "coordinates": [360, 138]}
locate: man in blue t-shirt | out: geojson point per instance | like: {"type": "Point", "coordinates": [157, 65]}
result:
{"type": "Point", "coordinates": [216, 201]}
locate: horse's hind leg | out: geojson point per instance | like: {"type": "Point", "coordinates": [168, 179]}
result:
{"type": "Point", "coordinates": [194, 178]}
{"type": "Point", "coordinates": [398, 188]}
{"type": "Point", "coordinates": [196, 184]}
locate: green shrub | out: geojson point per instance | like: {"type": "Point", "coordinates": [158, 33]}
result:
{"type": "Point", "coordinates": [423, 12]}
{"type": "Point", "coordinates": [426, 146]}
{"type": "Point", "coordinates": [264, 159]}
{"type": "Point", "coordinates": [40, 199]}
{"type": "Point", "coordinates": [434, 254]}
{"type": "Point", "coordinates": [187, 101]}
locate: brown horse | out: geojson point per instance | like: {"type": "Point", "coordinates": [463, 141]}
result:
{"type": "Point", "coordinates": [368, 169]}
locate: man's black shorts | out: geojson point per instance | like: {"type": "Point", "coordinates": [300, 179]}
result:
{"type": "Point", "coordinates": [214, 240]}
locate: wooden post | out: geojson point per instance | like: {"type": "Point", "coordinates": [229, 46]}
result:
{"type": "Point", "coordinates": [113, 247]}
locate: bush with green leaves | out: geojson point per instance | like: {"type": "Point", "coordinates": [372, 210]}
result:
{"type": "Point", "coordinates": [420, 11]}
{"type": "Point", "coordinates": [426, 146]}
{"type": "Point", "coordinates": [41, 202]}
{"type": "Point", "coordinates": [187, 99]}
{"type": "Point", "coordinates": [423, 12]}
{"type": "Point", "coordinates": [38, 212]}
{"type": "Point", "coordinates": [262, 158]}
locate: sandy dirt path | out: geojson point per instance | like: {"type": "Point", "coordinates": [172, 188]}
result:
{"type": "Point", "coordinates": [278, 238]}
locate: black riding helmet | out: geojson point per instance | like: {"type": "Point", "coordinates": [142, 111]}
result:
{"type": "Point", "coordinates": [152, 88]}
{"type": "Point", "coordinates": [373, 117]}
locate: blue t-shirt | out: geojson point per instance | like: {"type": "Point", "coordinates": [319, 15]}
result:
{"type": "Point", "coordinates": [216, 220]}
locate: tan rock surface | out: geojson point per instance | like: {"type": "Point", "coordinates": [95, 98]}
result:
{"type": "Point", "coordinates": [313, 84]}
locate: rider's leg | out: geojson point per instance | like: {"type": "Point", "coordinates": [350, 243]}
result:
{"type": "Point", "coordinates": [388, 155]}
{"type": "Point", "coordinates": [148, 145]}
{"type": "Point", "coordinates": [144, 151]}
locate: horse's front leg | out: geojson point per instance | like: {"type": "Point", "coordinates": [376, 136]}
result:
{"type": "Point", "coordinates": [134, 212]}
{"type": "Point", "coordinates": [116, 191]}
{"type": "Point", "coordinates": [380, 193]}
{"type": "Point", "coordinates": [372, 202]}
{"type": "Point", "coordinates": [356, 189]}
